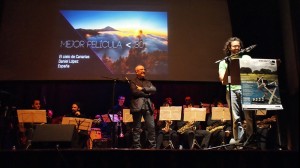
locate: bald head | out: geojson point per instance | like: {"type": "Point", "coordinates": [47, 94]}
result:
{"type": "Point", "coordinates": [140, 71]}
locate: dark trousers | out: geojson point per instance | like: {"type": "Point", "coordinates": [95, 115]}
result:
{"type": "Point", "coordinates": [149, 126]}
{"type": "Point", "coordinates": [203, 136]}
{"type": "Point", "coordinates": [170, 136]}
{"type": "Point", "coordinates": [186, 139]}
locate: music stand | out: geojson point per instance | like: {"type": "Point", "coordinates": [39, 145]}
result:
{"type": "Point", "coordinates": [194, 114]}
{"type": "Point", "coordinates": [127, 117]}
{"type": "Point", "coordinates": [232, 77]}
{"type": "Point", "coordinates": [232, 73]}
{"type": "Point", "coordinates": [220, 113]}
{"type": "Point", "coordinates": [110, 118]}
{"type": "Point", "coordinates": [261, 112]}
{"type": "Point", "coordinates": [170, 113]}
{"type": "Point", "coordinates": [82, 124]}
{"type": "Point", "coordinates": [32, 116]}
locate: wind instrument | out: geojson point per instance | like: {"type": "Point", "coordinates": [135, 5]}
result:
{"type": "Point", "coordinates": [167, 127]}
{"type": "Point", "coordinates": [213, 129]}
{"type": "Point", "coordinates": [216, 126]}
{"type": "Point", "coordinates": [187, 126]}
{"type": "Point", "coordinates": [121, 135]}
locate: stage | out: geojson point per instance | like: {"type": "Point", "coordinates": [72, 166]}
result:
{"type": "Point", "coordinates": [74, 158]}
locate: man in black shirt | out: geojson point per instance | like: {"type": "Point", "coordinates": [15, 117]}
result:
{"type": "Point", "coordinates": [141, 105]}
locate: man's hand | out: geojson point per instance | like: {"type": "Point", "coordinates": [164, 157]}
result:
{"type": "Point", "coordinates": [139, 88]}
{"type": "Point", "coordinates": [77, 113]}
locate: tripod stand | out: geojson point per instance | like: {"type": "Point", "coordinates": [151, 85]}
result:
{"type": "Point", "coordinates": [189, 136]}
{"type": "Point", "coordinates": [167, 134]}
{"type": "Point", "coordinates": [195, 144]}
{"type": "Point", "coordinates": [170, 144]}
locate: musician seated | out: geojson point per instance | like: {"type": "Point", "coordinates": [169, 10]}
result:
{"type": "Point", "coordinates": [203, 137]}
{"type": "Point", "coordinates": [220, 130]}
{"type": "Point", "coordinates": [166, 131]}
{"type": "Point", "coordinates": [26, 129]}
{"type": "Point", "coordinates": [83, 135]}
{"type": "Point", "coordinates": [266, 130]}
{"type": "Point", "coordinates": [186, 134]}
{"type": "Point", "coordinates": [189, 103]}
{"type": "Point", "coordinates": [191, 133]}
{"type": "Point", "coordinates": [192, 136]}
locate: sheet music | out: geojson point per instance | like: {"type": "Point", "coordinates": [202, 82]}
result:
{"type": "Point", "coordinates": [32, 116]}
{"type": "Point", "coordinates": [261, 112]}
{"type": "Point", "coordinates": [80, 123]}
{"type": "Point", "coordinates": [220, 113]}
{"type": "Point", "coordinates": [170, 113]}
{"type": "Point", "coordinates": [110, 118]}
{"type": "Point", "coordinates": [127, 117]}
{"type": "Point", "coordinates": [194, 114]}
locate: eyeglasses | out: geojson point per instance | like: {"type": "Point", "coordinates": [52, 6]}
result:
{"type": "Point", "coordinates": [141, 69]}
{"type": "Point", "coordinates": [236, 46]}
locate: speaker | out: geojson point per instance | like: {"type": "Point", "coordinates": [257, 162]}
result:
{"type": "Point", "coordinates": [54, 136]}
{"type": "Point", "coordinates": [102, 143]}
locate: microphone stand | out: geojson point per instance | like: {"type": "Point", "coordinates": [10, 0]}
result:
{"type": "Point", "coordinates": [112, 127]}
{"type": "Point", "coordinates": [113, 133]}
{"type": "Point", "coordinates": [229, 88]}
{"type": "Point", "coordinates": [227, 58]}
{"type": "Point", "coordinates": [228, 61]}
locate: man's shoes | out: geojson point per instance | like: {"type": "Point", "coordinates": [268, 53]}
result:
{"type": "Point", "coordinates": [239, 147]}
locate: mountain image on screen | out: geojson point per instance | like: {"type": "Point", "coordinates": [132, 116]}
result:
{"type": "Point", "coordinates": [121, 47]}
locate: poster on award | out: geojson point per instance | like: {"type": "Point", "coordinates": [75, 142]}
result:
{"type": "Point", "coordinates": [260, 86]}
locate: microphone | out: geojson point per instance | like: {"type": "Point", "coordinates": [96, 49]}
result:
{"type": "Point", "coordinates": [248, 49]}
{"type": "Point", "coordinates": [130, 81]}
{"type": "Point", "coordinates": [127, 80]}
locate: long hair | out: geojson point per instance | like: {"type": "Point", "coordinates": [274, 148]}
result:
{"type": "Point", "coordinates": [78, 104]}
{"type": "Point", "coordinates": [227, 45]}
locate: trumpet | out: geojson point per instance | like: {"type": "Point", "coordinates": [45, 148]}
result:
{"type": "Point", "coordinates": [121, 135]}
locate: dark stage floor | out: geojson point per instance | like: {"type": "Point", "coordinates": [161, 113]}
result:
{"type": "Point", "coordinates": [74, 158]}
